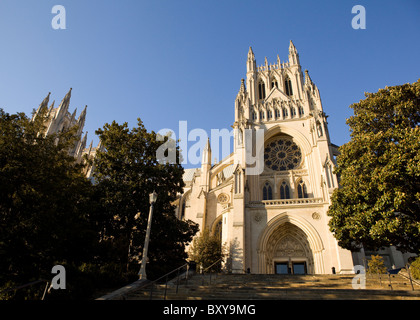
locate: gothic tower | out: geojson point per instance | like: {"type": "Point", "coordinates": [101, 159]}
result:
{"type": "Point", "coordinates": [268, 200]}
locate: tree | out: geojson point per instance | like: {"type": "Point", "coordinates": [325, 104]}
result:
{"type": "Point", "coordinates": [44, 201]}
{"type": "Point", "coordinates": [376, 265]}
{"type": "Point", "coordinates": [127, 170]}
{"type": "Point", "coordinates": [206, 249]}
{"type": "Point", "coordinates": [378, 203]}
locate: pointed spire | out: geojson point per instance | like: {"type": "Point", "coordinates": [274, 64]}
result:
{"type": "Point", "coordinates": [251, 54]}
{"type": "Point", "coordinates": [73, 116]}
{"type": "Point", "coordinates": [51, 108]}
{"type": "Point", "coordinates": [278, 60]}
{"type": "Point", "coordinates": [251, 64]}
{"type": "Point", "coordinates": [293, 54]}
{"type": "Point", "coordinates": [242, 89]}
{"type": "Point", "coordinates": [308, 80]}
{"type": "Point", "coordinates": [266, 62]}
{"type": "Point", "coordinates": [43, 105]}
{"type": "Point", "coordinates": [82, 115]}
{"type": "Point", "coordinates": [292, 48]}
{"type": "Point", "coordinates": [64, 105]}
{"type": "Point", "coordinates": [207, 153]}
{"type": "Point", "coordinates": [81, 121]}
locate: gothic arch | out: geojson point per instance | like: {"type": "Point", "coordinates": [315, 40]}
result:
{"type": "Point", "coordinates": [290, 227]}
{"type": "Point", "coordinates": [302, 141]}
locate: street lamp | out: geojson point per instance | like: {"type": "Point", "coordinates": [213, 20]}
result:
{"type": "Point", "coordinates": [152, 200]}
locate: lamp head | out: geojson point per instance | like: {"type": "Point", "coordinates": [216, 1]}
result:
{"type": "Point", "coordinates": [153, 197]}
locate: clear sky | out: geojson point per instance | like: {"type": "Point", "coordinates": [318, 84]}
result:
{"type": "Point", "coordinates": [167, 61]}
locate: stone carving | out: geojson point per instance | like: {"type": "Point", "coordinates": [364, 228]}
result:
{"type": "Point", "coordinates": [316, 216]}
{"type": "Point", "coordinates": [223, 198]}
{"type": "Point", "coordinates": [258, 217]}
{"type": "Point", "coordinates": [282, 154]}
{"type": "Point", "coordinates": [290, 247]}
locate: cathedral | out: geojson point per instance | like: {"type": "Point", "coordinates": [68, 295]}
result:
{"type": "Point", "coordinates": [271, 213]}
{"type": "Point", "coordinates": [60, 119]}
{"type": "Point", "coordinates": [274, 220]}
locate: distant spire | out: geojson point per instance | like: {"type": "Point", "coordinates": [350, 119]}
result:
{"type": "Point", "coordinates": [81, 121]}
{"type": "Point", "coordinates": [293, 54]}
{"type": "Point", "coordinates": [242, 89]}
{"type": "Point", "coordinates": [251, 64]}
{"type": "Point", "coordinates": [292, 48]}
{"type": "Point", "coordinates": [207, 153]}
{"type": "Point", "coordinates": [43, 105]}
{"type": "Point", "coordinates": [308, 80]}
{"type": "Point", "coordinates": [64, 105]}
{"type": "Point", "coordinates": [82, 115]}
{"type": "Point", "coordinates": [251, 54]}
{"type": "Point", "coordinates": [73, 116]}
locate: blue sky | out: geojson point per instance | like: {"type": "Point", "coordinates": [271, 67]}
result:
{"type": "Point", "coordinates": [167, 61]}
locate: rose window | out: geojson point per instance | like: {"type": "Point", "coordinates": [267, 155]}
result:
{"type": "Point", "coordinates": [282, 154]}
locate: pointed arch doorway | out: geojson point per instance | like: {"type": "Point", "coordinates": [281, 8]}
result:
{"type": "Point", "coordinates": [288, 245]}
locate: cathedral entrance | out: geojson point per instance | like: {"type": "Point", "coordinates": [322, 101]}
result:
{"type": "Point", "coordinates": [293, 267]}
{"type": "Point", "coordinates": [287, 246]}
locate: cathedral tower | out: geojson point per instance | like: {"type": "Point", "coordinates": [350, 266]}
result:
{"type": "Point", "coordinates": [274, 219]}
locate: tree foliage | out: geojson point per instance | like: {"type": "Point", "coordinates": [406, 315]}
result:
{"type": "Point", "coordinates": [43, 202]}
{"type": "Point", "coordinates": [378, 203]}
{"type": "Point", "coordinates": [127, 170]}
{"type": "Point", "coordinates": [206, 250]}
{"type": "Point", "coordinates": [376, 265]}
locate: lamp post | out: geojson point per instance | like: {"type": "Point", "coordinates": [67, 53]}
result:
{"type": "Point", "coordinates": [152, 200]}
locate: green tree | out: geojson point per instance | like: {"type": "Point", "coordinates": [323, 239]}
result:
{"type": "Point", "coordinates": [376, 265]}
{"type": "Point", "coordinates": [44, 202]}
{"type": "Point", "coordinates": [206, 249]}
{"type": "Point", "coordinates": [415, 268]}
{"type": "Point", "coordinates": [378, 203]}
{"type": "Point", "coordinates": [127, 170]}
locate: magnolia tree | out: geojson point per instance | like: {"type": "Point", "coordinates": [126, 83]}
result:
{"type": "Point", "coordinates": [378, 203]}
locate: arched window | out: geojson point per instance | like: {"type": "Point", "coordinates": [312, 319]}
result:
{"type": "Point", "coordinates": [319, 129]}
{"type": "Point", "coordinates": [292, 112]}
{"type": "Point", "coordinates": [254, 115]}
{"type": "Point", "coordinates": [284, 191]}
{"type": "Point", "coordinates": [262, 115]}
{"type": "Point", "coordinates": [285, 113]}
{"type": "Point", "coordinates": [301, 111]}
{"type": "Point", "coordinates": [278, 114]}
{"type": "Point", "coordinates": [302, 193]}
{"type": "Point", "coordinates": [267, 192]}
{"type": "Point", "coordinates": [269, 114]}
{"type": "Point", "coordinates": [288, 86]}
{"type": "Point", "coordinates": [218, 229]}
{"type": "Point", "coordinates": [274, 83]}
{"type": "Point", "coordinates": [261, 90]}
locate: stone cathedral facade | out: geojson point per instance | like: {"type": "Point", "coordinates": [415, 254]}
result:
{"type": "Point", "coordinates": [60, 119]}
{"type": "Point", "coordinates": [274, 221]}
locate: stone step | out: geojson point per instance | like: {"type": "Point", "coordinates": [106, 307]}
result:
{"type": "Point", "coordinates": [245, 287]}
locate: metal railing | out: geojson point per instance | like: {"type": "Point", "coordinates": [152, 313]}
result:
{"type": "Point", "coordinates": [29, 285]}
{"type": "Point", "coordinates": [210, 273]}
{"type": "Point", "coordinates": [167, 279]}
{"type": "Point", "coordinates": [395, 272]}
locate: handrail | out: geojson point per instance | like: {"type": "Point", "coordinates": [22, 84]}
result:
{"type": "Point", "coordinates": [152, 283]}
{"type": "Point", "coordinates": [203, 271]}
{"type": "Point", "coordinates": [28, 285]}
{"type": "Point", "coordinates": [221, 259]}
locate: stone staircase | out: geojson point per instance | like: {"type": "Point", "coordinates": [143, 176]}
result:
{"type": "Point", "coordinates": [281, 287]}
